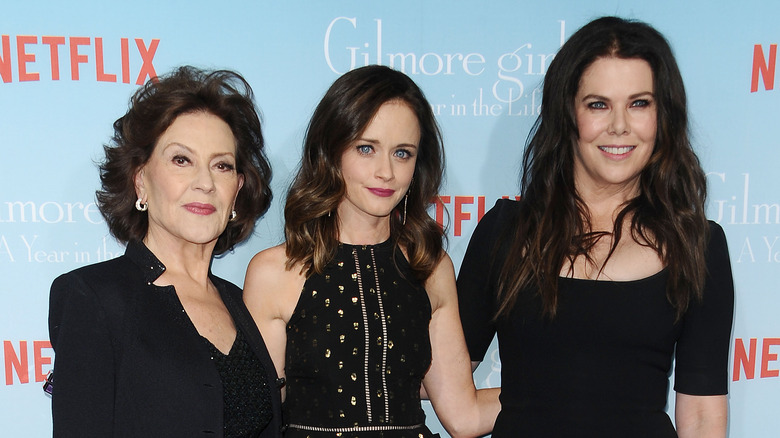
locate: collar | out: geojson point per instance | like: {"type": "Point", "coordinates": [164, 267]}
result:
{"type": "Point", "coordinates": [151, 267]}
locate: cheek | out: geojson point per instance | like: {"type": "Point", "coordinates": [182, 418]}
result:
{"type": "Point", "coordinates": [651, 130]}
{"type": "Point", "coordinates": [589, 128]}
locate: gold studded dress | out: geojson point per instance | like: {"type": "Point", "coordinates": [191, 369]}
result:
{"type": "Point", "coordinates": [358, 348]}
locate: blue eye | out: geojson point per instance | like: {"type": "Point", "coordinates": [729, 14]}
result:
{"type": "Point", "coordinates": [365, 149]}
{"type": "Point", "coordinates": [641, 103]}
{"type": "Point", "coordinates": [597, 105]}
{"type": "Point", "coordinates": [403, 154]}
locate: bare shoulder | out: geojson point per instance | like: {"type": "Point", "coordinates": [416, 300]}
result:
{"type": "Point", "coordinates": [270, 259]}
{"type": "Point", "coordinates": [269, 284]}
{"type": "Point", "coordinates": [441, 284]}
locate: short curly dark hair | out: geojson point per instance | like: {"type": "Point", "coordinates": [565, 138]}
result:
{"type": "Point", "coordinates": [153, 108]}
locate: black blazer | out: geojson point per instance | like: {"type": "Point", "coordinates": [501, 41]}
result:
{"type": "Point", "coordinates": [129, 362]}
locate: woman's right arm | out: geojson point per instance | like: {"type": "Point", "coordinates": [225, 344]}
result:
{"type": "Point", "coordinates": [271, 293]}
{"type": "Point", "coordinates": [83, 394]}
{"type": "Point", "coordinates": [476, 281]}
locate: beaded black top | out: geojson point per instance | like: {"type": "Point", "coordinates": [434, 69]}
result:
{"type": "Point", "coordinates": [246, 394]}
{"type": "Point", "coordinates": [358, 348]}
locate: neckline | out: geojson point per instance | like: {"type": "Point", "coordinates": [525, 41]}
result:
{"type": "Point", "coordinates": [379, 245]}
{"type": "Point", "coordinates": [650, 277]}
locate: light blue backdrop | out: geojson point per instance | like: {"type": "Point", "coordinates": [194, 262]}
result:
{"type": "Point", "coordinates": [480, 64]}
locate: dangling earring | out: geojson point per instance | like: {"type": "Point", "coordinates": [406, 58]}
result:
{"type": "Point", "coordinates": [233, 215]}
{"type": "Point", "coordinates": [406, 198]}
{"type": "Point", "coordinates": [140, 206]}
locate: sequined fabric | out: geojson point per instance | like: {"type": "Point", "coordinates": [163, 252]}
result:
{"type": "Point", "coordinates": [358, 348]}
{"type": "Point", "coordinates": [247, 396]}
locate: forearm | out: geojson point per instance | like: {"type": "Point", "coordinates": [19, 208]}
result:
{"type": "Point", "coordinates": [470, 415]}
{"type": "Point", "coordinates": [701, 416]}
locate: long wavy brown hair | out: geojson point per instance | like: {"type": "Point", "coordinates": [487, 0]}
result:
{"type": "Point", "coordinates": [554, 227]}
{"type": "Point", "coordinates": [311, 222]}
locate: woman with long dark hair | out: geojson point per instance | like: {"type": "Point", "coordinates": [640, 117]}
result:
{"type": "Point", "coordinates": [359, 305]}
{"type": "Point", "coordinates": [607, 269]}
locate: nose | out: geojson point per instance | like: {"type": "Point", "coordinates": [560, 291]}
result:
{"type": "Point", "coordinates": [619, 124]}
{"type": "Point", "coordinates": [384, 168]}
{"type": "Point", "coordinates": [204, 180]}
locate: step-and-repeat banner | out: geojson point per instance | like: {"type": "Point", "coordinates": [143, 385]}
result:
{"type": "Point", "coordinates": [67, 70]}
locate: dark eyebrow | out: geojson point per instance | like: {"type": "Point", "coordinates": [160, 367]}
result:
{"type": "Point", "coordinates": [631, 97]}
{"type": "Point", "coordinates": [189, 149]}
{"type": "Point", "coordinates": [372, 141]}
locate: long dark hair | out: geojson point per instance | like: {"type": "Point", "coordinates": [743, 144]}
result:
{"type": "Point", "coordinates": [668, 213]}
{"type": "Point", "coordinates": [311, 225]}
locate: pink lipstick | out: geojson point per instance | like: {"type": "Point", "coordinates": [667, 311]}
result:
{"type": "Point", "coordinates": [199, 208]}
{"type": "Point", "coordinates": [381, 192]}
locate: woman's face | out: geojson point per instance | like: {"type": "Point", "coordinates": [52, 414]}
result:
{"type": "Point", "coordinates": [378, 167]}
{"type": "Point", "coordinates": [190, 181]}
{"type": "Point", "coordinates": [616, 118]}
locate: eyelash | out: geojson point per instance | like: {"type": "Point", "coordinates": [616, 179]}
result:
{"type": "Point", "coordinates": [181, 160]}
{"type": "Point", "coordinates": [406, 154]}
{"type": "Point", "coordinates": [639, 103]}
{"type": "Point", "coordinates": [402, 154]}
{"type": "Point", "coordinates": [227, 167]}
{"type": "Point", "coordinates": [365, 149]}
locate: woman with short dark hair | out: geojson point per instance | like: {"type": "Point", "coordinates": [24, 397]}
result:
{"type": "Point", "coordinates": [152, 343]}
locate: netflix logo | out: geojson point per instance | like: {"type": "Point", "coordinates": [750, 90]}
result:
{"type": "Point", "coordinates": [18, 356]}
{"type": "Point", "coordinates": [764, 64]}
{"type": "Point", "coordinates": [461, 209]}
{"type": "Point", "coordinates": [48, 55]}
{"type": "Point", "coordinates": [749, 358]}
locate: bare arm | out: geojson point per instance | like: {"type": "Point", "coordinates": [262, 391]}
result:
{"type": "Point", "coordinates": [271, 293]}
{"type": "Point", "coordinates": [462, 410]}
{"type": "Point", "coordinates": [699, 416]}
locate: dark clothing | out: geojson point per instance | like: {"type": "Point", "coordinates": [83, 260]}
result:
{"type": "Point", "coordinates": [601, 366]}
{"type": "Point", "coordinates": [247, 395]}
{"type": "Point", "coordinates": [357, 349]}
{"type": "Point", "coordinates": [129, 362]}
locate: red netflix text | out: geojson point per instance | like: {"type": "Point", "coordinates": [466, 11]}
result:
{"type": "Point", "coordinates": [745, 358]}
{"type": "Point", "coordinates": [17, 357]}
{"type": "Point", "coordinates": [460, 209]}
{"type": "Point", "coordinates": [764, 67]}
{"type": "Point", "coordinates": [31, 57]}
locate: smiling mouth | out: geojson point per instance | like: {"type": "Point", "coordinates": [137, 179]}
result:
{"type": "Point", "coordinates": [617, 150]}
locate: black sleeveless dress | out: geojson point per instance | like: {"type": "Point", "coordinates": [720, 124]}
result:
{"type": "Point", "coordinates": [358, 348]}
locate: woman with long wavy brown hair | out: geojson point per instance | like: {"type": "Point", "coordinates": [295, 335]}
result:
{"type": "Point", "coordinates": [358, 307]}
{"type": "Point", "coordinates": [607, 268]}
